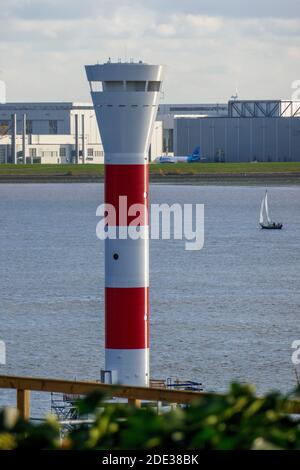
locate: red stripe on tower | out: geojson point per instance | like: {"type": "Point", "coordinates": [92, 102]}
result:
{"type": "Point", "coordinates": [130, 181]}
{"type": "Point", "coordinates": [130, 331]}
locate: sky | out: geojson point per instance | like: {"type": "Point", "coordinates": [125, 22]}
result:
{"type": "Point", "coordinates": [210, 47]}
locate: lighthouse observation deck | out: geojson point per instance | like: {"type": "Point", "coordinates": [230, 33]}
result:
{"type": "Point", "coordinates": [126, 98]}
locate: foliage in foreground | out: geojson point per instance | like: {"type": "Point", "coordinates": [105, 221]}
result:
{"type": "Point", "coordinates": [237, 420]}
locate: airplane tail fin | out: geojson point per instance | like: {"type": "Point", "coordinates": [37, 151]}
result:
{"type": "Point", "coordinates": [196, 152]}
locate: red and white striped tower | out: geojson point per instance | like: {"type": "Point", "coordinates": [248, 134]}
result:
{"type": "Point", "coordinates": [126, 98]}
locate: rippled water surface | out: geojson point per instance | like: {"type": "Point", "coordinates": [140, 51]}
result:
{"type": "Point", "coordinates": [229, 311]}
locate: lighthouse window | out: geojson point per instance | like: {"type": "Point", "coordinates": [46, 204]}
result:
{"type": "Point", "coordinates": [153, 86]}
{"type": "Point", "coordinates": [96, 86]}
{"type": "Point", "coordinates": [113, 85]}
{"type": "Point", "coordinates": [135, 86]}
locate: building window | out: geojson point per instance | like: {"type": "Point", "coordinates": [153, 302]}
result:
{"type": "Point", "coordinates": [52, 127]}
{"type": "Point", "coordinates": [90, 152]}
{"type": "Point", "coordinates": [4, 126]}
{"type": "Point", "coordinates": [135, 86]}
{"type": "Point", "coordinates": [153, 86]}
{"type": "Point", "coordinates": [32, 152]}
{"type": "Point", "coordinates": [28, 126]}
{"type": "Point", "coordinates": [49, 153]}
{"type": "Point", "coordinates": [98, 153]}
{"type": "Point", "coordinates": [168, 140]}
{"type": "Point", "coordinates": [62, 151]}
{"type": "Point", "coordinates": [20, 156]}
{"type": "Point", "coordinates": [2, 154]}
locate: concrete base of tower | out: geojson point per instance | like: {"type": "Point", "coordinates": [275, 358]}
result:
{"type": "Point", "coordinates": [126, 367]}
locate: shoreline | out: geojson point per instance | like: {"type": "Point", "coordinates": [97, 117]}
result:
{"type": "Point", "coordinates": [291, 178]}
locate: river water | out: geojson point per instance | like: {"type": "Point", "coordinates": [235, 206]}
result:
{"type": "Point", "coordinates": [228, 312]}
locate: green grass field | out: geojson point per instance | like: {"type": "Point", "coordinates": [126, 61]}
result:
{"type": "Point", "coordinates": [37, 169]}
{"type": "Point", "coordinates": [224, 168]}
{"type": "Point", "coordinates": [155, 169]}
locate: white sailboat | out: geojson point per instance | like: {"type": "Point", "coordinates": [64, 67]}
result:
{"type": "Point", "coordinates": [264, 220]}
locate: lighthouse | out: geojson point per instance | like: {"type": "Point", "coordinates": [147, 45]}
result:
{"type": "Point", "coordinates": [126, 98]}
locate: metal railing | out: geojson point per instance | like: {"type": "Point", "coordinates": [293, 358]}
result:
{"type": "Point", "coordinates": [134, 395]}
{"type": "Point", "coordinates": [24, 385]}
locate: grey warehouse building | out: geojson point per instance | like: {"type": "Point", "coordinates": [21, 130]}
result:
{"type": "Point", "coordinates": [260, 131]}
{"type": "Point", "coordinates": [167, 113]}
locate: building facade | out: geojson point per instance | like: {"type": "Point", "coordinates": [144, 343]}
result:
{"type": "Point", "coordinates": [245, 139]}
{"type": "Point", "coordinates": [67, 132]}
{"type": "Point", "coordinates": [55, 133]}
{"type": "Point", "coordinates": [167, 113]}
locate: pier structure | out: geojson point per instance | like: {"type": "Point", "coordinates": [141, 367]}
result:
{"type": "Point", "coordinates": [126, 98]}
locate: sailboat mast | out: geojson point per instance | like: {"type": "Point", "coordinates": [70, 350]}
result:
{"type": "Point", "coordinates": [261, 217]}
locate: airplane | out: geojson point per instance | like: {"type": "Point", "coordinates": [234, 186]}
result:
{"type": "Point", "coordinates": [193, 158]}
{"type": "Point", "coordinates": [165, 159]}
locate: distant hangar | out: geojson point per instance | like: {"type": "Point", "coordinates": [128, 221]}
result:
{"type": "Point", "coordinates": [263, 131]}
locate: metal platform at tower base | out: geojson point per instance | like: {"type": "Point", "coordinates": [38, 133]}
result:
{"type": "Point", "coordinates": [64, 405]}
{"type": "Point", "coordinates": [175, 384]}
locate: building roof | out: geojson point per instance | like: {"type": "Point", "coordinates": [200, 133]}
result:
{"type": "Point", "coordinates": [51, 105]}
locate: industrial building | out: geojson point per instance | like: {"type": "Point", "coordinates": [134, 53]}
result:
{"type": "Point", "coordinates": [55, 133]}
{"type": "Point", "coordinates": [167, 113]}
{"type": "Point", "coordinates": [264, 131]}
{"type": "Point", "coordinates": [241, 130]}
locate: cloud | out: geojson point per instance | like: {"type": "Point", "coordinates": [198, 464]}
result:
{"type": "Point", "coordinates": [188, 25]}
{"type": "Point", "coordinates": [294, 52]}
{"type": "Point", "coordinates": [67, 9]}
{"type": "Point", "coordinates": [232, 8]}
{"type": "Point", "coordinates": [209, 46]}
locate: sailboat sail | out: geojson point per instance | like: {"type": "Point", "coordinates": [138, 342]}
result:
{"type": "Point", "coordinates": [267, 209]}
{"type": "Point", "coordinates": [264, 217]}
{"type": "Point", "coordinates": [261, 218]}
